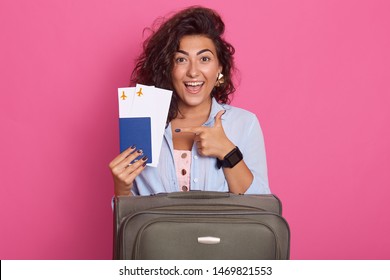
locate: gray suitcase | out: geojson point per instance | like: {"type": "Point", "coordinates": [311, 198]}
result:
{"type": "Point", "coordinates": [200, 225]}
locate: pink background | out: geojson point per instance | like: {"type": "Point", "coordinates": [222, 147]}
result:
{"type": "Point", "coordinates": [315, 72]}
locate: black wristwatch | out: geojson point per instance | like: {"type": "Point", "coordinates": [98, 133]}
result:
{"type": "Point", "coordinates": [231, 159]}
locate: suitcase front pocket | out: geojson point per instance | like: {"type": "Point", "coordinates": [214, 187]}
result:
{"type": "Point", "coordinates": [204, 237]}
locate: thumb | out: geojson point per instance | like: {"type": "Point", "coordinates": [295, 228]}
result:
{"type": "Point", "coordinates": [218, 120]}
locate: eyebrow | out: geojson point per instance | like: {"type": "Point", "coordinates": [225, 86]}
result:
{"type": "Point", "coordinates": [198, 53]}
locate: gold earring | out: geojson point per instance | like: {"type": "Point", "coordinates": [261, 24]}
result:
{"type": "Point", "coordinates": [220, 80]}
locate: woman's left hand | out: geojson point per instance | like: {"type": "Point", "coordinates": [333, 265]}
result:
{"type": "Point", "coordinates": [211, 141]}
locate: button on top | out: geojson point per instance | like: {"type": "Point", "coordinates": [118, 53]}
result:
{"type": "Point", "coordinates": [184, 188]}
{"type": "Point", "coordinates": [183, 155]}
{"type": "Point", "coordinates": [183, 172]}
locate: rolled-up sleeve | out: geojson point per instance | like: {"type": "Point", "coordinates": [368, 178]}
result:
{"type": "Point", "coordinates": [253, 150]}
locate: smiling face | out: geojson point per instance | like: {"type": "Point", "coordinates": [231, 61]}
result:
{"type": "Point", "coordinates": [195, 71]}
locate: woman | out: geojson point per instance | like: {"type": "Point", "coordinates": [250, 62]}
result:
{"type": "Point", "coordinates": [208, 145]}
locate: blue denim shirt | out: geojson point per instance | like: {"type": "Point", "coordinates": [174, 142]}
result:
{"type": "Point", "coordinates": [241, 127]}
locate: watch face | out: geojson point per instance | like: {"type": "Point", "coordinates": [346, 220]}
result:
{"type": "Point", "coordinates": [234, 158]}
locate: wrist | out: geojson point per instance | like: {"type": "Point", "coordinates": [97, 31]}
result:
{"type": "Point", "coordinates": [122, 189]}
{"type": "Point", "coordinates": [226, 149]}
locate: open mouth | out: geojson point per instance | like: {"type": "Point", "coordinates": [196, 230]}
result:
{"type": "Point", "coordinates": [193, 87]}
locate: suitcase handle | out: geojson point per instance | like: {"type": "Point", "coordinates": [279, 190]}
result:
{"type": "Point", "coordinates": [198, 195]}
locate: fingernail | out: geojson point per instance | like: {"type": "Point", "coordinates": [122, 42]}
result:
{"type": "Point", "coordinates": [145, 158]}
{"type": "Point", "coordinates": [144, 164]}
{"type": "Point", "coordinates": [177, 130]}
{"type": "Point", "coordinates": [140, 151]}
{"type": "Point", "coordinates": [132, 147]}
{"type": "Point", "coordinates": [223, 113]}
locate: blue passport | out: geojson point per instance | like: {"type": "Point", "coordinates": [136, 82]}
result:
{"type": "Point", "coordinates": [136, 131]}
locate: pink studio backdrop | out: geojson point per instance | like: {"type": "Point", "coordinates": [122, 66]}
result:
{"type": "Point", "coordinates": [316, 73]}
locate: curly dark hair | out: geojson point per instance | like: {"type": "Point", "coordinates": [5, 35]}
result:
{"type": "Point", "coordinates": [154, 65]}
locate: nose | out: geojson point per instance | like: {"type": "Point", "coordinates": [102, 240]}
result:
{"type": "Point", "coordinates": [192, 70]}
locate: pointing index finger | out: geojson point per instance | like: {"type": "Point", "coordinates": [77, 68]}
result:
{"type": "Point", "coordinates": [195, 130]}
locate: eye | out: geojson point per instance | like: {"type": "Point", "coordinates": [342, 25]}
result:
{"type": "Point", "coordinates": [205, 59]}
{"type": "Point", "coordinates": [180, 60]}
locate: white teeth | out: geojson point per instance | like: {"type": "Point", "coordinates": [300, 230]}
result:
{"type": "Point", "coordinates": [194, 84]}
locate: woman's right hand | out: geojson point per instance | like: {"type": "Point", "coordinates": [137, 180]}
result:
{"type": "Point", "coordinates": [124, 173]}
